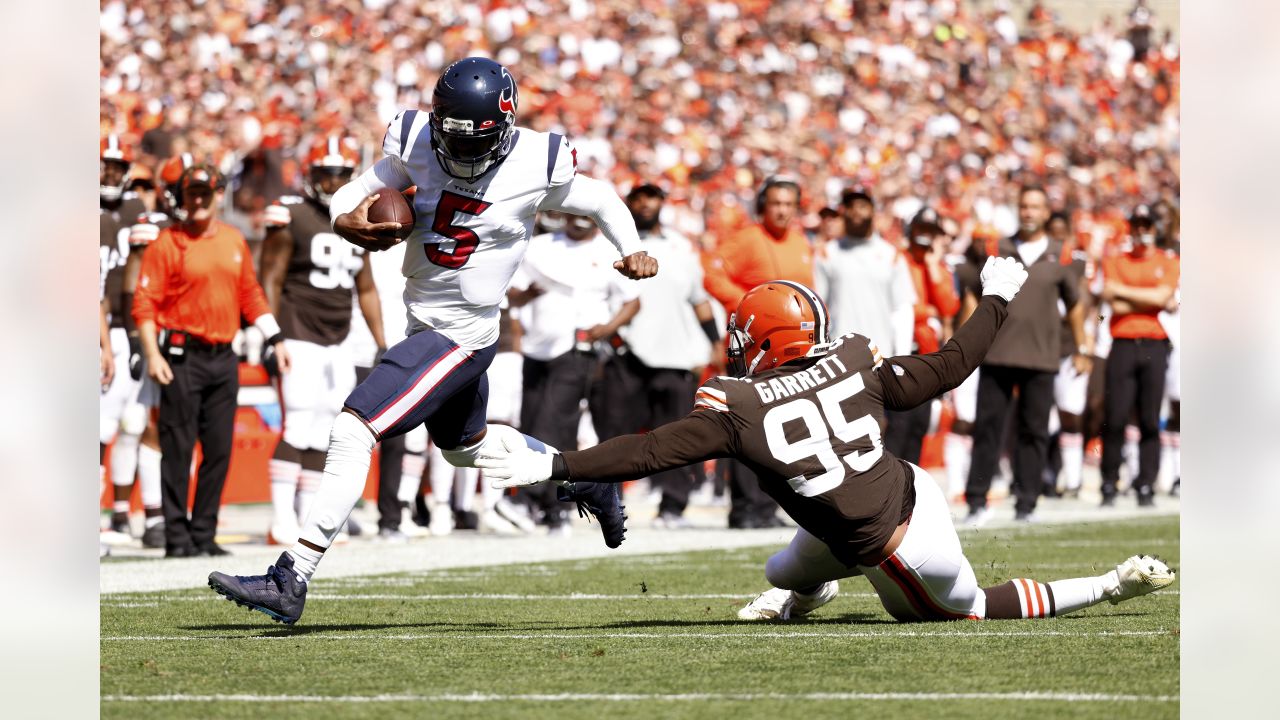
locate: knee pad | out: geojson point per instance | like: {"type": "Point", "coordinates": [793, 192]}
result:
{"type": "Point", "coordinates": [134, 419]}
{"type": "Point", "coordinates": [350, 433]}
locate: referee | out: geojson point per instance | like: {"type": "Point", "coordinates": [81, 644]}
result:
{"type": "Point", "coordinates": [197, 280]}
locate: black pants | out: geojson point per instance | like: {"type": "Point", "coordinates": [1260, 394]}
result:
{"type": "Point", "coordinates": [904, 436]}
{"type": "Point", "coordinates": [996, 385]}
{"type": "Point", "coordinates": [550, 410]}
{"type": "Point", "coordinates": [199, 404]}
{"type": "Point", "coordinates": [1135, 374]}
{"type": "Point", "coordinates": [637, 397]}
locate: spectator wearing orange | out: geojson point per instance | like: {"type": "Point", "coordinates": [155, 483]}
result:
{"type": "Point", "coordinates": [197, 281]}
{"type": "Point", "coordinates": [775, 248]}
{"type": "Point", "coordinates": [936, 303]}
{"type": "Point", "coordinates": [1138, 283]}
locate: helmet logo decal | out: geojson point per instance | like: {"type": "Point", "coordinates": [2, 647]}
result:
{"type": "Point", "coordinates": [486, 124]}
{"type": "Point", "coordinates": [507, 98]}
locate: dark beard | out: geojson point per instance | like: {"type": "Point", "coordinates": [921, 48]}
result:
{"type": "Point", "coordinates": [860, 230]}
{"type": "Point", "coordinates": [646, 224]}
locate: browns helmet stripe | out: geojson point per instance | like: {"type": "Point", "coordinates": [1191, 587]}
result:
{"type": "Point", "coordinates": [822, 328]}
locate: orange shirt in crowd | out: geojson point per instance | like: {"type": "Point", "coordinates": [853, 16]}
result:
{"type": "Point", "coordinates": [934, 300]}
{"type": "Point", "coordinates": [752, 256]}
{"type": "Point", "coordinates": [1143, 267]}
{"type": "Point", "coordinates": [200, 285]}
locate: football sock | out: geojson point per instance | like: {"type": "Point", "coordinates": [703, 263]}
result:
{"type": "Point", "coordinates": [464, 488]}
{"type": "Point", "coordinates": [1024, 598]}
{"type": "Point", "coordinates": [1071, 447]}
{"type": "Point", "coordinates": [489, 495]}
{"type": "Point", "coordinates": [441, 475]}
{"type": "Point", "coordinates": [346, 468]}
{"type": "Point", "coordinates": [411, 469]}
{"type": "Point", "coordinates": [305, 561]}
{"type": "Point", "coordinates": [956, 453]}
{"type": "Point", "coordinates": [149, 479]}
{"type": "Point", "coordinates": [284, 486]}
{"type": "Point", "coordinates": [308, 486]}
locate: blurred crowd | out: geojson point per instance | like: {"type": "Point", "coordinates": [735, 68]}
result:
{"type": "Point", "coordinates": [938, 102]}
{"type": "Point", "coordinates": [912, 123]}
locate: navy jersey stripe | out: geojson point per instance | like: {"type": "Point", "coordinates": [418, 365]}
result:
{"type": "Point", "coordinates": [553, 151]}
{"type": "Point", "coordinates": [406, 122]}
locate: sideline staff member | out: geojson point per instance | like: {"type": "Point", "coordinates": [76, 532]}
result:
{"type": "Point", "coordinates": [1139, 284]}
{"type": "Point", "coordinates": [197, 280]}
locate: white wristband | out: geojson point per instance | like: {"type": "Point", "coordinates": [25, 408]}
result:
{"type": "Point", "coordinates": [266, 322]}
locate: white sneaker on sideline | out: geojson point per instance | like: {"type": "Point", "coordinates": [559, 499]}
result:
{"type": "Point", "coordinates": [1139, 575]}
{"type": "Point", "coordinates": [441, 519]}
{"type": "Point", "coordinates": [515, 514]}
{"type": "Point", "coordinates": [492, 522]}
{"type": "Point", "coordinates": [779, 604]}
{"type": "Point", "coordinates": [977, 517]}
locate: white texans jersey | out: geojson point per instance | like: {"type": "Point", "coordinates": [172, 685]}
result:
{"type": "Point", "coordinates": [469, 238]}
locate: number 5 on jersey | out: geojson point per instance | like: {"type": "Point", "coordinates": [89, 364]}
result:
{"type": "Point", "coordinates": [465, 239]}
{"type": "Point", "coordinates": [817, 443]}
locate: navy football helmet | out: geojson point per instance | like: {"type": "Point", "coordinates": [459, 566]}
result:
{"type": "Point", "coordinates": [473, 114]}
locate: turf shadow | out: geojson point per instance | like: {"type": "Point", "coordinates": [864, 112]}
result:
{"type": "Point", "coordinates": [306, 629]}
{"type": "Point", "coordinates": [844, 619]}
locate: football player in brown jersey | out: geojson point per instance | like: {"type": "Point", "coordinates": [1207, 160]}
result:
{"type": "Point", "coordinates": [309, 274]}
{"type": "Point", "coordinates": [806, 413]}
{"type": "Point", "coordinates": [122, 416]}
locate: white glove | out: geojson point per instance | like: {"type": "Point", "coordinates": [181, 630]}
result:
{"type": "Point", "coordinates": [512, 463]}
{"type": "Point", "coordinates": [1002, 276]}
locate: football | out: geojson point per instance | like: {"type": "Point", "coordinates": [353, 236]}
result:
{"type": "Point", "coordinates": [391, 206]}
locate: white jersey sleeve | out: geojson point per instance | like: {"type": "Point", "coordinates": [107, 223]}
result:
{"type": "Point", "coordinates": [403, 132]}
{"type": "Point", "coordinates": [597, 200]}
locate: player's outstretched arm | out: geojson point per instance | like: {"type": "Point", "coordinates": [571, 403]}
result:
{"type": "Point", "coordinates": [596, 199]}
{"type": "Point", "coordinates": [699, 436]}
{"type": "Point", "coordinates": [910, 380]}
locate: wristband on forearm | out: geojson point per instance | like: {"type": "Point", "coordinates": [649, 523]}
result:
{"type": "Point", "coordinates": [712, 330]}
{"type": "Point", "coordinates": [559, 468]}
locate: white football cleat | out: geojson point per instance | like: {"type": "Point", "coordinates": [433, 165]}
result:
{"type": "Point", "coordinates": [1139, 575]}
{"type": "Point", "coordinates": [779, 604]}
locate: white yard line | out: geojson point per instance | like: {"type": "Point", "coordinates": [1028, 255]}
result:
{"type": "Point", "coordinates": [648, 697]}
{"type": "Point", "coordinates": [348, 637]}
{"type": "Point", "coordinates": [154, 601]}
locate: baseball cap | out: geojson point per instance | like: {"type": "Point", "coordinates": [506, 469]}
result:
{"type": "Point", "coordinates": [648, 189]}
{"type": "Point", "coordinates": [1141, 215]}
{"type": "Point", "coordinates": [927, 217]}
{"type": "Point", "coordinates": [857, 190]}
{"type": "Point", "coordinates": [201, 176]}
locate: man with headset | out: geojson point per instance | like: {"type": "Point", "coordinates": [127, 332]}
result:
{"type": "Point", "coordinates": [774, 248]}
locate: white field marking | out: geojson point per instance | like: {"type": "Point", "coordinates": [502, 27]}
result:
{"type": "Point", "coordinates": [155, 601]}
{"type": "Point", "coordinates": [647, 697]}
{"type": "Point", "coordinates": [152, 601]}
{"type": "Point", "coordinates": [639, 636]}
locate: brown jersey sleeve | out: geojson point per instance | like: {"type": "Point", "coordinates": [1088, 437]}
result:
{"type": "Point", "coordinates": [910, 380]}
{"type": "Point", "coordinates": [700, 435]}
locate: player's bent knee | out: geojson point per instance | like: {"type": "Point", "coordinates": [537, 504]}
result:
{"type": "Point", "coordinates": [783, 570]}
{"type": "Point", "coordinates": [349, 432]}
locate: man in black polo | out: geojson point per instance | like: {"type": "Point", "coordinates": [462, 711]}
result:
{"type": "Point", "coordinates": [1025, 357]}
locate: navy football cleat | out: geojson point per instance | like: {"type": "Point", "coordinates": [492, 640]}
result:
{"type": "Point", "coordinates": [279, 594]}
{"type": "Point", "coordinates": [601, 500]}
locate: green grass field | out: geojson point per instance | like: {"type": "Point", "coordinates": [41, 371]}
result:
{"type": "Point", "coordinates": [650, 637]}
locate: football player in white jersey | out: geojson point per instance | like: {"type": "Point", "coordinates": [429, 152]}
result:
{"type": "Point", "coordinates": [480, 183]}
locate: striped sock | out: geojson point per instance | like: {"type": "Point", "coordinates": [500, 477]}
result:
{"type": "Point", "coordinates": [1071, 446]}
{"type": "Point", "coordinates": [1024, 598]}
{"type": "Point", "coordinates": [284, 487]}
